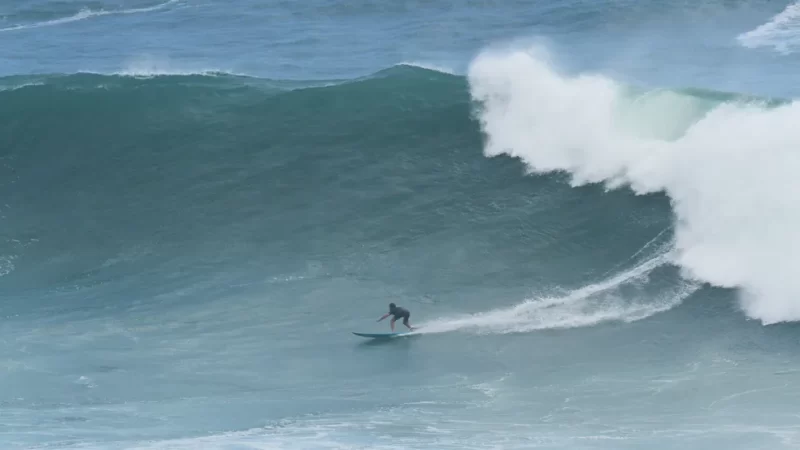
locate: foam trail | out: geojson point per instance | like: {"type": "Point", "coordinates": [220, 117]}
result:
{"type": "Point", "coordinates": [590, 305]}
{"type": "Point", "coordinates": [782, 31]}
{"type": "Point", "coordinates": [87, 13]}
{"type": "Point", "coordinates": [730, 171]}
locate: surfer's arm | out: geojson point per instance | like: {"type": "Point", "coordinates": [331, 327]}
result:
{"type": "Point", "coordinates": [384, 316]}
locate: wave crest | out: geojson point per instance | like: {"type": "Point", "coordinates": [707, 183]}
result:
{"type": "Point", "coordinates": [729, 168]}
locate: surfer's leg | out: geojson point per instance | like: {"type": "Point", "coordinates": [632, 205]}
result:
{"type": "Point", "coordinates": [405, 322]}
{"type": "Point", "coordinates": [393, 319]}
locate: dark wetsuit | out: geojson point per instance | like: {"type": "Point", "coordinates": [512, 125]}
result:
{"type": "Point", "coordinates": [399, 312]}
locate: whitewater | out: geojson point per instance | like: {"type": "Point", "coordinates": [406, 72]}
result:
{"type": "Point", "coordinates": [728, 170]}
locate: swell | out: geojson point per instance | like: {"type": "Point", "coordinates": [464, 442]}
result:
{"type": "Point", "coordinates": [409, 81]}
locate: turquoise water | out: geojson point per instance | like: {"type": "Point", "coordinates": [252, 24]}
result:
{"type": "Point", "coordinates": [587, 207]}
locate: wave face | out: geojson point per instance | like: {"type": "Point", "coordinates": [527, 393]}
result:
{"type": "Point", "coordinates": [139, 170]}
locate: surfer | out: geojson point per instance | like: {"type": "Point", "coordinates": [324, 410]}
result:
{"type": "Point", "coordinates": [397, 312]}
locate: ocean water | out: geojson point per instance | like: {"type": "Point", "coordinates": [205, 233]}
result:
{"type": "Point", "coordinates": [589, 208]}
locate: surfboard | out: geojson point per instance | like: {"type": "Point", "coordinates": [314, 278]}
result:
{"type": "Point", "coordinates": [380, 335]}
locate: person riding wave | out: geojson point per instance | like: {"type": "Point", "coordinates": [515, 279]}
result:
{"type": "Point", "coordinates": [398, 313]}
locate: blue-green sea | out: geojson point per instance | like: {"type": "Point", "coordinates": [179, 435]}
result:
{"type": "Point", "coordinates": [588, 207]}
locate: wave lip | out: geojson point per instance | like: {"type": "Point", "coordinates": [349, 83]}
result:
{"type": "Point", "coordinates": [429, 66]}
{"type": "Point", "coordinates": [730, 169]}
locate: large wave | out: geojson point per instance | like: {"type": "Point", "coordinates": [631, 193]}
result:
{"type": "Point", "coordinates": [729, 168]}
{"type": "Point", "coordinates": [727, 162]}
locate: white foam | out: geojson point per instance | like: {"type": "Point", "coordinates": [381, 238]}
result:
{"type": "Point", "coordinates": [731, 172]}
{"type": "Point", "coordinates": [587, 306]}
{"type": "Point", "coordinates": [379, 431]}
{"type": "Point", "coordinates": [87, 13]}
{"type": "Point", "coordinates": [781, 32]}
{"type": "Point", "coordinates": [7, 264]}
